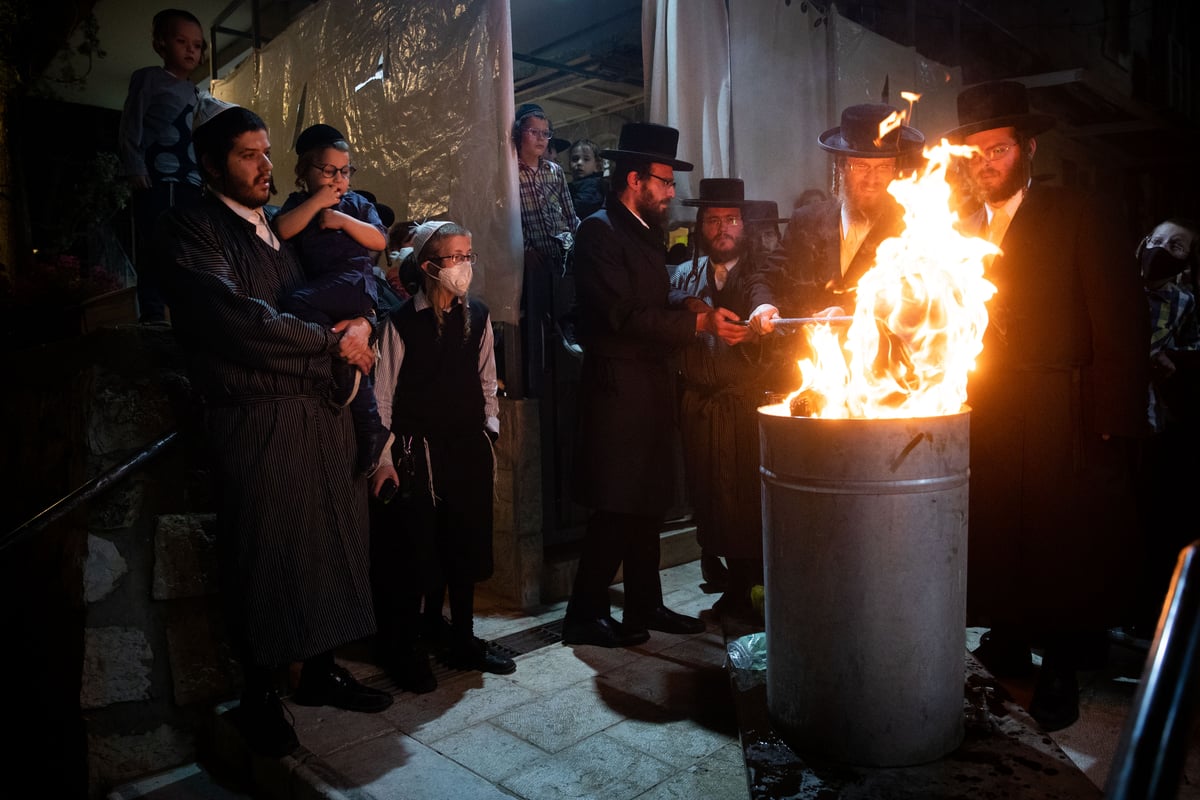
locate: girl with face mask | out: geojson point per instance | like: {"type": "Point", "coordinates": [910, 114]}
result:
{"type": "Point", "coordinates": [436, 385]}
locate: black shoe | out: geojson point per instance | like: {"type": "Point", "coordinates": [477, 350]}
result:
{"type": "Point", "coordinates": [665, 620]}
{"type": "Point", "coordinates": [337, 687]}
{"type": "Point", "coordinates": [737, 605]}
{"type": "Point", "coordinates": [371, 449]}
{"type": "Point", "coordinates": [411, 672]}
{"type": "Point", "coordinates": [1004, 656]}
{"type": "Point", "coordinates": [263, 725]}
{"type": "Point", "coordinates": [346, 378]}
{"type": "Point", "coordinates": [715, 574]}
{"type": "Point", "coordinates": [602, 632]}
{"type": "Point", "coordinates": [482, 656]}
{"type": "Point", "coordinates": [1055, 702]}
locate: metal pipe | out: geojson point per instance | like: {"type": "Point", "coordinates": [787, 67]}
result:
{"type": "Point", "coordinates": [1153, 746]}
{"type": "Point", "coordinates": [59, 509]}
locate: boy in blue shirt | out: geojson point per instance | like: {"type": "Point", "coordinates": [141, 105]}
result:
{"type": "Point", "coordinates": [156, 142]}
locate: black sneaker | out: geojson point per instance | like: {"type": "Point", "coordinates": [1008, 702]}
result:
{"type": "Point", "coordinates": [262, 721]}
{"type": "Point", "coordinates": [482, 656]}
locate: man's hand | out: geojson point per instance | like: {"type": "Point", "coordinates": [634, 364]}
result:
{"type": "Point", "coordinates": [380, 476]}
{"type": "Point", "coordinates": [761, 319]}
{"type": "Point", "coordinates": [725, 324]}
{"type": "Point", "coordinates": [1161, 365]}
{"type": "Point", "coordinates": [355, 345]}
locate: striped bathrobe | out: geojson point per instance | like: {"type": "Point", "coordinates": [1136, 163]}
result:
{"type": "Point", "coordinates": [292, 539]}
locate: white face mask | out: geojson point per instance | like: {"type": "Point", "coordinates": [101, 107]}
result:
{"type": "Point", "coordinates": [457, 279]}
{"type": "Point", "coordinates": [396, 256]}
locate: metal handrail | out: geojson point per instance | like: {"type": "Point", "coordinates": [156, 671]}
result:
{"type": "Point", "coordinates": [60, 508]}
{"type": "Point", "coordinates": [1153, 745]}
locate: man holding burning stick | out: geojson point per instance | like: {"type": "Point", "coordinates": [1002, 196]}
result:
{"type": "Point", "coordinates": [629, 330]}
{"type": "Point", "coordinates": [722, 386]}
{"type": "Point", "coordinates": [1061, 380]}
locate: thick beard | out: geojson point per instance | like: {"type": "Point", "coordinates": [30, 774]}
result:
{"type": "Point", "coordinates": [1015, 181]}
{"type": "Point", "coordinates": [242, 194]}
{"type": "Point", "coordinates": [739, 247]}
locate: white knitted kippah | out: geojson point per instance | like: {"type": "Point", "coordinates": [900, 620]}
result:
{"type": "Point", "coordinates": [208, 107]}
{"type": "Point", "coordinates": [424, 231]}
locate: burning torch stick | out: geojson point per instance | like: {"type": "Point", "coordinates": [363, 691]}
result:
{"type": "Point", "coordinates": [796, 322]}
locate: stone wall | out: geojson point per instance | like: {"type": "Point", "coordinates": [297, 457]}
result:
{"type": "Point", "coordinates": [137, 646]}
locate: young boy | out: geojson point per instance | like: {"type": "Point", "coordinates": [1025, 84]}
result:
{"type": "Point", "coordinates": [156, 142]}
{"type": "Point", "coordinates": [335, 231]}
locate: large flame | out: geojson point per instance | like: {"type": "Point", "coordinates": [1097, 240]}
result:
{"type": "Point", "coordinates": [919, 318]}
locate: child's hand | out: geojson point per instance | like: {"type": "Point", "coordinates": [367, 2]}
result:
{"type": "Point", "coordinates": [326, 196]}
{"type": "Point", "coordinates": [330, 220]}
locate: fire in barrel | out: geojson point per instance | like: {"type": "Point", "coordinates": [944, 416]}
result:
{"type": "Point", "coordinates": [865, 471]}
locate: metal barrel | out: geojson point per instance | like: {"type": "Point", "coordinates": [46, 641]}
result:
{"type": "Point", "coordinates": [865, 548]}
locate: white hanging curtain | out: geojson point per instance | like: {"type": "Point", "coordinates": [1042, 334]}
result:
{"type": "Point", "coordinates": [423, 92]}
{"type": "Point", "coordinates": [751, 84]}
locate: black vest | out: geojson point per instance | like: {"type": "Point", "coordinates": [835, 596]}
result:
{"type": "Point", "coordinates": [438, 389]}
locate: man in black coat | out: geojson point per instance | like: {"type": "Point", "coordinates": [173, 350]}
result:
{"type": "Point", "coordinates": [292, 537]}
{"type": "Point", "coordinates": [1061, 382]}
{"type": "Point", "coordinates": [828, 246]}
{"type": "Point", "coordinates": [629, 330]}
{"type": "Point", "coordinates": [722, 385]}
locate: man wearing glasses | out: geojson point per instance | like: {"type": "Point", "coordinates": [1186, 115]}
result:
{"type": "Point", "coordinates": [1060, 383]}
{"type": "Point", "coordinates": [548, 225]}
{"type": "Point", "coordinates": [722, 386]}
{"type": "Point", "coordinates": [630, 329]}
{"type": "Point", "coordinates": [828, 246]}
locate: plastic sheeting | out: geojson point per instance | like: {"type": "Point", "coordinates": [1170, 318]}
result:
{"type": "Point", "coordinates": [752, 84]}
{"type": "Point", "coordinates": [423, 93]}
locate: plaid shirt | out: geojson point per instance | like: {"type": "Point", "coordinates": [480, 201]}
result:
{"type": "Point", "coordinates": [1173, 326]}
{"type": "Point", "coordinates": [548, 220]}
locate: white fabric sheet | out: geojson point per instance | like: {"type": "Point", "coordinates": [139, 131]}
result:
{"type": "Point", "coordinates": [423, 92]}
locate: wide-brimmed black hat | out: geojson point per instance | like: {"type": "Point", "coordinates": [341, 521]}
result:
{"type": "Point", "coordinates": [858, 135]}
{"type": "Point", "coordinates": [764, 211]}
{"type": "Point", "coordinates": [720, 193]}
{"type": "Point", "coordinates": [997, 104]}
{"type": "Point", "coordinates": [645, 141]}
{"type": "Point", "coordinates": [560, 145]}
{"type": "Point", "coordinates": [318, 135]}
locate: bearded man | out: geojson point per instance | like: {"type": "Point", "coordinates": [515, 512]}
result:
{"type": "Point", "coordinates": [629, 329]}
{"type": "Point", "coordinates": [1060, 382]}
{"type": "Point", "coordinates": [292, 517]}
{"type": "Point", "coordinates": [829, 245]}
{"type": "Point", "coordinates": [722, 386]}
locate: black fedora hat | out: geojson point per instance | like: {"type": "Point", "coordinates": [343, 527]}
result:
{"type": "Point", "coordinates": [720, 193]}
{"type": "Point", "coordinates": [318, 135]}
{"type": "Point", "coordinates": [858, 135]}
{"type": "Point", "coordinates": [645, 141]}
{"type": "Point", "coordinates": [997, 104]}
{"type": "Point", "coordinates": [560, 145]}
{"type": "Point", "coordinates": [763, 211]}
